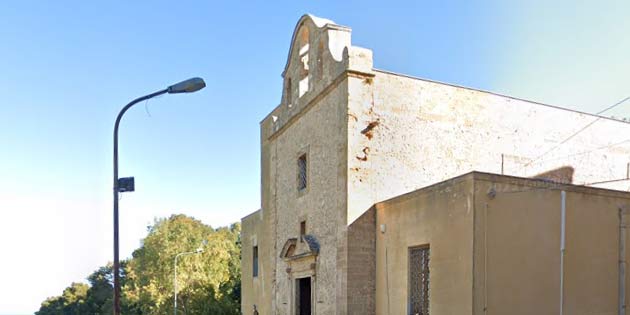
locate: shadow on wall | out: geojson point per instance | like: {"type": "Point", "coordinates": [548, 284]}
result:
{"type": "Point", "coordinates": [563, 175]}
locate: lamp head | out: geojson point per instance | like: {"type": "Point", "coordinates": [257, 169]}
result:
{"type": "Point", "coordinates": [199, 250]}
{"type": "Point", "coordinates": [187, 86]}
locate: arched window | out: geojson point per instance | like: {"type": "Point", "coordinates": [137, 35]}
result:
{"type": "Point", "coordinates": [304, 61]}
{"type": "Point", "coordinates": [288, 92]}
{"type": "Point", "coordinates": [320, 61]}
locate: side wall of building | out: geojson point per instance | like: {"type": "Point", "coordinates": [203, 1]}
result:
{"type": "Point", "coordinates": [440, 217]}
{"type": "Point", "coordinates": [256, 290]}
{"type": "Point", "coordinates": [362, 265]}
{"type": "Point", "coordinates": [495, 247]}
{"type": "Point", "coordinates": [408, 133]}
{"type": "Point", "coordinates": [518, 228]}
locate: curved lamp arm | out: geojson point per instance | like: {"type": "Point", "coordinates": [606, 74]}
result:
{"type": "Point", "coordinates": [187, 86]}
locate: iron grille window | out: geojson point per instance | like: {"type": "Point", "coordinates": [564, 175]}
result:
{"type": "Point", "coordinates": [255, 262]}
{"type": "Point", "coordinates": [419, 280]}
{"type": "Point", "coordinates": [302, 172]}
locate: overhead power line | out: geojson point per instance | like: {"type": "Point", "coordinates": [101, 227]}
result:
{"type": "Point", "coordinates": [588, 151]}
{"type": "Point", "coordinates": [579, 131]}
{"type": "Point", "coordinates": [613, 106]}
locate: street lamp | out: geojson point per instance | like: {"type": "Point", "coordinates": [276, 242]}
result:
{"type": "Point", "coordinates": [127, 184]}
{"type": "Point", "coordinates": [197, 251]}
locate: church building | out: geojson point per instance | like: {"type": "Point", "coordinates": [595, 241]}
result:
{"type": "Point", "coordinates": [386, 194]}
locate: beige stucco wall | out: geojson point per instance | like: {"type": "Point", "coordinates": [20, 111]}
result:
{"type": "Point", "coordinates": [517, 248]}
{"type": "Point", "coordinates": [495, 247]}
{"type": "Point", "coordinates": [254, 233]}
{"type": "Point", "coordinates": [440, 216]}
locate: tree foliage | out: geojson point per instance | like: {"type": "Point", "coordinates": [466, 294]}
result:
{"type": "Point", "coordinates": [71, 302]}
{"type": "Point", "coordinates": [207, 282]}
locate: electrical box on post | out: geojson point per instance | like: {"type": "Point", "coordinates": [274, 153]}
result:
{"type": "Point", "coordinates": [126, 184]}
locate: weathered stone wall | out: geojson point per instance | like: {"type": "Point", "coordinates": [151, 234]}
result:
{"type": "Point", "coordinates": [311, 120]}
{"type": "Point", "coordinates": [406, 133]}
{"type": "Point", "coordinates": [314, 65]}
{"type": "Point", "coordinates": [321, 205]}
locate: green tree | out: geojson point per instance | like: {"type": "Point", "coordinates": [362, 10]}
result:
{"type": "Point", "coordinates": [100, 295]}
{"type": "Point", "coordinates": [71, 302]}
{"type": "Point", "coordinates": [209, 278]}
{"type": "Point", "coordinates": [208, 283]}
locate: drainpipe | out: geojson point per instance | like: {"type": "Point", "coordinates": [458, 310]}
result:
{"type": "Point", "coordinates": [563, 220]}
{"type": "Point", "coordinates": [622, 263]}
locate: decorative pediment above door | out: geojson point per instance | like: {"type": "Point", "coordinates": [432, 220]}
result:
{"type": "Point", "coordinates": [294, 249]}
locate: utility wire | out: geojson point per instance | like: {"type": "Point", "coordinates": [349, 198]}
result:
{"type": "Point", "coordinates": [613, 106]}
{"type": "Point", "coordinates": [579, 131]}
{"type": "Point", "coordinates": [589, 151]}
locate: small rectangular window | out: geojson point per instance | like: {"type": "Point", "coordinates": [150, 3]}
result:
{"type": "Point", "coordinates": [419, 280]}
{"type": "Point", "coordinates": [302, 172]}
{"type": "Point", "coordinates": [255, 261]}
{"type": "Point", "coordinates": [302, 229]}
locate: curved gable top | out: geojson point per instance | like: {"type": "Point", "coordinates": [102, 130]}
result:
{"type": "Point", "coordinates": [321, 24]}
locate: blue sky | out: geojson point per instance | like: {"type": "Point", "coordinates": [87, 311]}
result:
{"type": "Point", "coordinates": [67, 68]}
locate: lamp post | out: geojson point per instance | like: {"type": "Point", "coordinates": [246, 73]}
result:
{"type": "Point", "coordinates": [127, 184]}
{"type": "Point", "coordinates": [197, 251]}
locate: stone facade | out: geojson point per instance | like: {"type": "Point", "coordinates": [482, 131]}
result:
{"type": "Point", "coordinates": [369, 135]}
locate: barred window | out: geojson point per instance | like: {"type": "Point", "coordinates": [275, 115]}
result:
{"type": "Point", "coordinates": [419, 280]}
{"type": "Point", "coordinates": [302, 172]}
{"type": "Point", "coordinates": [255, 262]}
